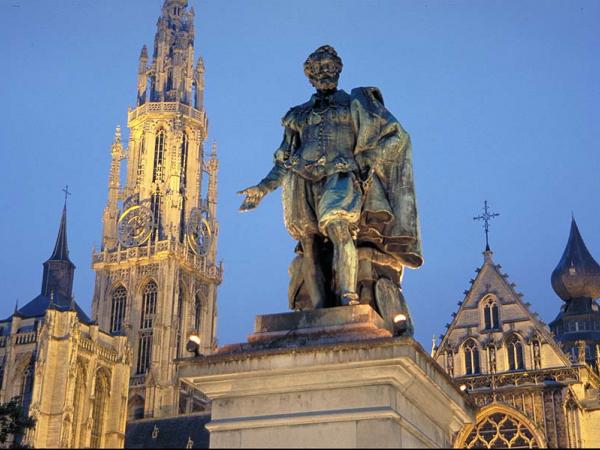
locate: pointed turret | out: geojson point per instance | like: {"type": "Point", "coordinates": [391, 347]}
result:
{"type": "Point", "coordinates": [58, 269]}
{"type": "Point", "coordinates": [576, 280]}
{"type": "Point", "coordinates": [61, 248]}
{"type": "Point", "coordinates": [577, 274]}
{"type": "Point", "coordinates": [172, 69]}
{"type": "Point", "coordinates": [109, 230]}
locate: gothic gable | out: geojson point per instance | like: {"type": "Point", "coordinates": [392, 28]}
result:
{"type": "Point", "coordinates": [494, 331]}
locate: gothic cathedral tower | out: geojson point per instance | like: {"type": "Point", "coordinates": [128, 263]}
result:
{"type": "Point", "coordinates": [156, 273]}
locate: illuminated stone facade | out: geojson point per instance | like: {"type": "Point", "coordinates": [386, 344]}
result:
{"type": "Point", "coordinates": [528, 392]}
{"type": "Point", "coordinates": [70, 376]}
{"type": "Point", "coordinates": [156, 272]}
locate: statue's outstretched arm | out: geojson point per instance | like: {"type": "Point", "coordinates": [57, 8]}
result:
{"type": "Point", "coordinates": [272, 181]}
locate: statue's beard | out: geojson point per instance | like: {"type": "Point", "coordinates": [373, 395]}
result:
{"type": "Point", "coordinates": [325, 83]}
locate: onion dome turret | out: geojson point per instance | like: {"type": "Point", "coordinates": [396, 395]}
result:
{"type": "Point", "coordinates": [577, 274]}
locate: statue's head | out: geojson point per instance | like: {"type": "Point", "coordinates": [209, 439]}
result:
{"type": "Point", "coordinates": [323, 68]}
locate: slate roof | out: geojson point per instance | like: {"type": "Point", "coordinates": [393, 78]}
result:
{"type": "Point", "coordinates": [169, 432]}
{"type": "Point", "coordinates": [39, 305]}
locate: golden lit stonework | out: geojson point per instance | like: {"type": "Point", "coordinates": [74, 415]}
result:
{"type": "Point", "coordinates": [156, 272]}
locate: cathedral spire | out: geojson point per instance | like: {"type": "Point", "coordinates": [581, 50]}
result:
{"type": "Point", "coordinates": [577, 274]}
{"type": "Point", "coordinates": [171, 72]}
{"type": "Point", "coordinates": [61, 249]}
{"type": "Point", "coordinates": [58, 275]}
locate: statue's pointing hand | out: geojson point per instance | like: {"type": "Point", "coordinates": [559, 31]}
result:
{"type": "Point", "coordinates": [254, 195]}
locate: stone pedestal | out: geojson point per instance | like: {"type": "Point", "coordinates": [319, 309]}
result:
{"type": "Point", "coordinates": [327, 379]}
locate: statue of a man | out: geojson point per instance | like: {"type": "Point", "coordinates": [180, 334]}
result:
{"type": "Point", "coordinates": [348, 193]}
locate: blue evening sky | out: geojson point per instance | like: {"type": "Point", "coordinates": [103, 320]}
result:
{"type": "Point", "coordinates": [501, 99]}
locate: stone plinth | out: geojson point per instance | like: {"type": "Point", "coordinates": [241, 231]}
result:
{"type": "Point", "coordinates": [341, 324]}
{"type": "Point", "coordinates": [371, 392]}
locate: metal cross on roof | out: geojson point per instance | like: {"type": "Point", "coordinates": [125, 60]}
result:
{"type": "Point", "coordinates": [486, 217]}
{"type": "Point", "coordinates": [67, 193]}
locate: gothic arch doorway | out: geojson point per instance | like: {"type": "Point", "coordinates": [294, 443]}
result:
{"type": "Point", "coordinates": [500, 426]}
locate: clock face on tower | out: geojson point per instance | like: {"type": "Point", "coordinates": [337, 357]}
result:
{"type": "Point", "coordinates": [135, 226]}
{"type": "Point", "coordinates": [199, 234]}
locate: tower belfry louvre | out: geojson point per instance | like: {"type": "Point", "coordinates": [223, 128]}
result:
{"type": "Point", "coordinates": [156, 270]}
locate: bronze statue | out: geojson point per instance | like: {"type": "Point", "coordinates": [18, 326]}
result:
{"type": "Point", "coordinates": [345, 167]}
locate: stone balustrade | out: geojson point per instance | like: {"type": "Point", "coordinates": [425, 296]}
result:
{"type": "Point", "coordinates": [98, 349]}
{"type": "Point", "coordinates": [25, 338]}
{"type": "Point", "coordinates": [199, 263]}
{"type": "Point", "coordinates": [166, 107]}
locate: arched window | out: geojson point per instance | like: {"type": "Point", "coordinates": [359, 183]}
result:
{"type": "Point", "coordinates": [148, 305]}
{"type": "Point", "coordinates": [490, 314]}
{"type": "Point", "coordinates": [99, 409]}
{"type": "Point", "coordinates": [515, 353]}
{"type": "Point", "coordinates": [141, 153]}
{"type": "Point", "coordinates": [136, 408]}
{"type": "Point", "coordinates": [471, 357]}
{"type": "Point", "coordinates": [197, 312]}
{"type": "Point", "coordinates": [185, 143]}
{"type": "Point", "coordinates": [155, 206]}
{"type": "Point", "coordinates": [149, 299]}
{"type": "Point", "coordinates": [180, 308]}
{"type": "Point", "coordinates": [500, 427]}
{"type": "Point", "coordinates": [27, 386]}
{"type": "Point", "coordinates": [117, 314]}
{"type": "Point", "coordinates": [78, 405]}
{"type": "Point", "coordinates": [159, 156]}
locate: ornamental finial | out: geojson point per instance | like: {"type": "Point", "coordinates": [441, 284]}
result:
{"type": "Point", "coordinates": [486, 217]}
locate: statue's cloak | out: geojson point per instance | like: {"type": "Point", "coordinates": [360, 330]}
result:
{"type": "Point", "coordinates": [389, 219]}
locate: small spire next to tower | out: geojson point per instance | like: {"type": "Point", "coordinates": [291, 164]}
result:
{"type": "Point", "coordinates": [61, 249]}
{"type": "Point", "coordinates": [577, 274]}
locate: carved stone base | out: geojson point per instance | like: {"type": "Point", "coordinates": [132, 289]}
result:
{"type": "Point", "coordinates": [339, 324]}
{"type": "Point", "coordinates": [327, 379]}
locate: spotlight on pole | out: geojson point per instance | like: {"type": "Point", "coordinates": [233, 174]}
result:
{"type": "Point", "coordinates": [463, 388]}
{"type": "Point", "coordinates": [193, 345]}
{"type": "Point", "coordinates": [400, 324]}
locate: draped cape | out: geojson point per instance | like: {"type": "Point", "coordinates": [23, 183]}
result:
{"type": "Point", "coordinates": [389, 219]}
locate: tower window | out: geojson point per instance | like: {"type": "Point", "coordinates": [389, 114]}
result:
{"type": "Point", "coordinates": [184, 157]}
{"type": "Point", "coordinates": [155, 206]}
{"type": "Point", "coordinates": [149, 298]}
{"type": "Point", "coordinates": [148, 305]}
{"type": "Point", "coordinates": [144, 352]}
{"type": "Point", "coordinates": [117, 315]}
{"type": "Point", "coordinates": [471, 351]}
{"type": "Point", "coordinates": [159, 156]}
{"type": "Point", "coordinates": [140, 168]}
{"type": "Point", "coordinates": [490, 315]}
{"type": "Point", "coordinates": [180, 307]}
{"type": "Point", "coordinates": [197, 312]}
{"type": "Point", "coordinates": [515, 353]}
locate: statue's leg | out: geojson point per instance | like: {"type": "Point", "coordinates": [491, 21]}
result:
{"type": "Point", "coordinates": [314, 281]}
{"type": "Point", "coordinates": [345, 261]}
